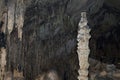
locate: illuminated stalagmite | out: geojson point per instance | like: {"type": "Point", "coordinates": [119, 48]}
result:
{"type": "Point", "coordinates": [83, 48]}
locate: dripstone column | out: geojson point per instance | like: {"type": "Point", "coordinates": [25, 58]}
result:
{"type": "Point", "coordinates": [3, 52]}
{"type": "Point", "coordinates": [83, 47]}
{"type": "Point", "coordinates": [3, 63]}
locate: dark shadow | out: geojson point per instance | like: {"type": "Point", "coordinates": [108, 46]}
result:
{"type": "Point", "coordinates": [105, 35]}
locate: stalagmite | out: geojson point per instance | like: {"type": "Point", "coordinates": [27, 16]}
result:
{"type": "Point", "coordinates": [3, 63]}
{"type": "Point", "coordinates": [83, 47]}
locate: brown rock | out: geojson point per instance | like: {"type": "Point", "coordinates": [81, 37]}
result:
{"type": "Point", "coordinates": [103, 73]}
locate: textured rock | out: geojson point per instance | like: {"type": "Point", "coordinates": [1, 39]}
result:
{"type": "Point", "coordinates": [52, 75]}
{"type": "Point", "coordinates": [2, 63]}
{"type": "Point", "coordinates": [11, 15]}
{"type": "Point", "coordinates": [49, 36]}
{"type": "Point", "coordinates": [83, 47]}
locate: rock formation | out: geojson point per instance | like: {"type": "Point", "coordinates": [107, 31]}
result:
{"type": "Point", "coordinates": [83, 47]}
{"type": "Point", "coordinates": [3, 52]}
{"type": "Point", "coordinates": [2, 63]}
{"type": "Point", "coordinates": [41, 35]}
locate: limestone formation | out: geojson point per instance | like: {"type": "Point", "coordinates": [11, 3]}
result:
{"type": "Point", "coordinates": [4, 19]}
{"type": "Point", "coordinates": [11, 18]}
{"type": "Point", "coordinates": [2, 47]}
{"type": "Point", "coordinates": [19, 17]}
{"type": "Point", "coordinates": [15, 21]}
{"type": "Point", "coordinates": [83, 48]}
{"type": "Point", "coordinates": [48, 39]}
{"type": "Point", "coordinates": [15, 16]}
{"type": "Point", "coordinates": [3, 63]}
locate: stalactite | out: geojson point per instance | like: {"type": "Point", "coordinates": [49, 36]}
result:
{"type": "Point", "coordinates": [11, 16]}
{"type": "Point", "coordinates": [4, 19]}
{"type": "Point", "coordinates": [20, 17]}
{"type": "Point", "coordinates": [83, 48]}
{"type": "Point", "coordinates": [15, 23]}
{"type": "Point", "coordinates": [10, 26]}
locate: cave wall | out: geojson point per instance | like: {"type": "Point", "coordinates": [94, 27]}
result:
{"type": "Point", "coordinates": [105, 32]}
{"type": "Point", "coordinates": [51, 40]}
{"type": "Point", "coordinates": [50, 31]}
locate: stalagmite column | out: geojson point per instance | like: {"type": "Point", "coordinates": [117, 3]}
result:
{"type": "Point", "coordinates": [83, 47]}
{"type": "Point", "coordinates": [3, 63]}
